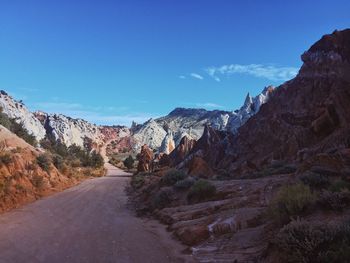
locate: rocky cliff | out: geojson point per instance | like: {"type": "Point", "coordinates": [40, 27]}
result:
{"type": "Point", "coordinates": [18, 111]}
{"type": "Point", "coordinates": [307, 117]}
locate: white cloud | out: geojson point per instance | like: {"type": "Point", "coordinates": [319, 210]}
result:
{"type": "Point", "coordinates": [196, 76]}
{"type": "Point", "coordinates": [182, 77]}
{"type": "Point", "coordinates": [270, 72]}
{"type": "Point", "coordinates": [209, 105]}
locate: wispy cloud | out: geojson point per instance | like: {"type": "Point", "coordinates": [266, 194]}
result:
{"type": "Point", "coordinates": [209, 105]}
{"type": "Point", "coordinates": [196, 76]}
{"type": "Point", "coordinates": [182, 77]}
{"type": "Point", "coordinates": [270, 72]}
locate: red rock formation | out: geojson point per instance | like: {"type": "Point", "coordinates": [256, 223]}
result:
{"type": "Point", "coordinates": [198, 167]}
{"type": "Point", "coordinates": [305, 116]}
{"type": "Point", "coordinates": [145, 159]}
{"type": "Point", "coordinates": [184, 148]}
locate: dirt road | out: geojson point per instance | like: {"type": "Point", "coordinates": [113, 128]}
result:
{"type": "Point", "coordinates": [86, 223]}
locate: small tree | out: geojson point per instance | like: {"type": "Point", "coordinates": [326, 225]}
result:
{"type": "Point", "coordinates": [129, 162]}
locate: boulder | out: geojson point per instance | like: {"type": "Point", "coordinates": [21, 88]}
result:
{"type": "Point", "coordinates": [145, 158]}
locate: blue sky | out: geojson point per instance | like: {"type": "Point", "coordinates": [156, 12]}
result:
{"type": "Point", "coordinates": [111, 62]}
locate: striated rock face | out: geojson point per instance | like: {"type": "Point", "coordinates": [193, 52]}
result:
{"type": "Point", "coordinates": [17, 110]}
{"type": "Point", "coordinates": [145, 159]}
{"type": "Point", "coordinates": [182, 150]}
{"type": "Point", "coordinates": [168, 144]}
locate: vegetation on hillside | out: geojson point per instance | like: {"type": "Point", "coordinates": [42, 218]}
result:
{"type": "Point", "coordinates": [16, 128]}
{"type": "Point", "coordinates": [73, 155]}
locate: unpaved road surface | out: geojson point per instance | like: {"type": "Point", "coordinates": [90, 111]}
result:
{"type": "Point", "coordinates": [86, 223]}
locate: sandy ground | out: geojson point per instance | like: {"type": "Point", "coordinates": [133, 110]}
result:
{"type": "Point", "coordinates": [89, 222]}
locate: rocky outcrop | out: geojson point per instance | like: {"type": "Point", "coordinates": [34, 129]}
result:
{"type": "Point", "coordinates": [150, 133]}
{"type": "Point", "coordinates": [306, 116]}
{"type": "Point", "coordinates": [190, 122]}
{"type": "Point", "coordinates": [250, 107]}
{"type": "Point", "coordinates": [181, 151]}
{"type": "Point", "coordinates": [145, 159]}
{"type": "Point", "coordinates": [18, 111]}
{"type": "Point", "coordinates": [117, 139]}
{"type": "Point", "coordinates": [22, 180]}
{"type": "Point", "coordinates": [168, 144]}
{"type": "Point", "coordinates": [70, 131]}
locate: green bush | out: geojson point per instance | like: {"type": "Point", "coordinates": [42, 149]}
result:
{"type": "Point", "coordinates": [38, 181]}
{"type": "Point", "coordinates": [44, 161]}
{"type": "Point", "coordinates": [162, 199]}
{"type": "Point", "coordinates": [185, 183]}
{"type": "Point", "coordinates": [16, 128]}
{"type": "Point", "coordinates": [291, 200]}
{"type": "Point", "coordinates": [201, 190]}
{"type": "Point", "coordinates": [302, 241]}
{"type": "Point", "coordinates": [339, 185]}
{"type": "Point", "coordinates": [96, 160]}
{"type": "Point", "coordinates": [20, 131]}
{"type": "Point", "coordinates": [58, 161]}
{"type": "Point", "coordinates": [336, 201]}
{"type": "Point", "coordinates": [5, 187]}
{"type": "Point", "coordinates": [315, 180]}
{"type": "Point", "coordinates": [137, 181]}
{"type": "Point", "coordinates": [173, 176]}
{"type": "Point", "coordinates": [4, 119]}
{"type": "Point", "coordinates": [129, 162]}
{"type": "Point", "coordinates": [5, 159]}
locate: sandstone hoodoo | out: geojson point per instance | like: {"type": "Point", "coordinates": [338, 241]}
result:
{"type": "Point", "coordinates": [145, 158]}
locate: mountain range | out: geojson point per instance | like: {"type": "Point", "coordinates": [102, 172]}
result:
{"type": "Point", "coordinates": [158, 133]}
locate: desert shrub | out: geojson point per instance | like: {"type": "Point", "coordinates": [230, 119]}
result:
{"type": "Point", "coordinates": [129, 162]}
{"type": "Point", "coordinates": [20, 188]}
{"type": "Point", "coordinates": [87, 159]}
{"type": "Point", "coordinates": [95, 160]}
{"type": "Point", "coordinates": [172, 176]}
{"type": "Point", "coordinates": [75, 162]}
{"type": "Point", "coordinates": [302, 241]}
{"type": "Point", "coordinates": [4, 119]}
{"type": "Point", "coordinates": [20, 131]}
{"type": "Point", "coordinates": [137, 181]}
{"type": "Point", "coordinates": [38, 181]}
{"type": "Point", "coordinates": [201, 190]}
{"type": "Point", "coordinates": [336, 201]}
{"type": "Point", "coordinates": [5, 159]}
{"type": "Point", "coordinates": [162, 199]}
{"type": "Point", "coordinates": [58, 161]}
{"type": "Point", "coordinates": [44, 161]}
{"type": "Point", "coordinates": [5, 187]}
{"type": "Point", "coordinates": [291, 200]}
{"type": "Point", "coordinates": [315, 180]}
{"type": "Point", "coordinates": [185, 183]}
{"type": "Point", "coordinates": [16, 128]}
{"type": "Point", "coordinates": [339, 185]}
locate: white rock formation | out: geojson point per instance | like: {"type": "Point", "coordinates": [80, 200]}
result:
{"type": "Point", "coordinates": [72, 131]}
{"type": "Point", "coordinates": [150, 133]}
{"type": "Point", "coordinates": [18, 111]}
{"type": "Point", "coordinates": [250, 107]}
{"type": "Point", "coordinates": [190, 122]}
{"type": "Point", "coordinates": [168, 144]}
